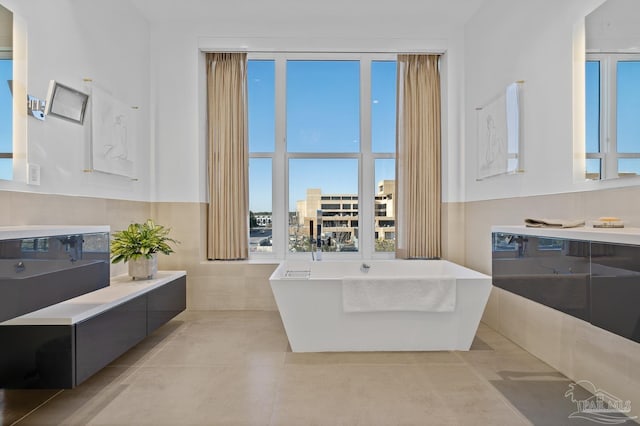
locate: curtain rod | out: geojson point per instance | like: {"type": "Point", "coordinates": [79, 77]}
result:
{"type": "Point", "coordinates": [629, 51]}
{"type": "Point", "coordinates": [399, 52]}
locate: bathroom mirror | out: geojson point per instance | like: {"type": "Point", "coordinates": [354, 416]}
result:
{"type": "Point", "coordinates": [6, 93]}
{"type": "Point", "coordinates": [612, 90]}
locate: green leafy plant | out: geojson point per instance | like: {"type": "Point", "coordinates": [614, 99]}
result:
{"type": "Point", "coordinates": [140, 240]}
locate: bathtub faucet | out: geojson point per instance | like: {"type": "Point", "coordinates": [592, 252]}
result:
{"type": "Point", "coordinates": [365, 267]}
{"type": "Point", "coordinates": [318, 255]}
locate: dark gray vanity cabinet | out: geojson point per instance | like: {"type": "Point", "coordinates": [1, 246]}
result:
{"type": "Point", "coordinates": [615, 289]}
{"type": "Point", "coordinates": [103, 338]}
{"type": "Point", "coordinates": [62, 317]}
{"type": "Point", "coordinates": [37, 357]}
{"type": "Point", "coordinates": [63, 356]}
{"type": "Point", "coordinates": [552, 272]}
{"type": "Point", "coordinates": [165, 303]}
{"type": "Point", "coordinates": [595, 281]}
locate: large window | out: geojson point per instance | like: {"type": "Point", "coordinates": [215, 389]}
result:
{"type": "Point", "coordinates": [325, 125]}
{"type": "Point", "coordinates": [612, 111]}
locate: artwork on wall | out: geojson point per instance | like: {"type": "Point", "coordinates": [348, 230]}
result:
{"type": "Point", "coordinates": [113, 133]}
{"type": "Point", "coordinates": [499, 134]}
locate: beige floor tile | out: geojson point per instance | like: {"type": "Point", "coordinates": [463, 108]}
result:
{"type": "Point", "coordinates": [224, 338]}
{"type": "Point", "coordinates": [193, 395]}
{"type": "Point", "coordinates": [78, 406]}
{"type": "Point", "coordinates": [354, 394]}
{"type": "Point", "coordinates": [236, 368]}
{"type": "Point", "coordinates": [188, 352]}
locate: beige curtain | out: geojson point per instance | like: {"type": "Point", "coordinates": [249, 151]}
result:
{"type": "Point", "coordinates": [418, 201]}
{"type": "Point", "coordinates": [228, 210]}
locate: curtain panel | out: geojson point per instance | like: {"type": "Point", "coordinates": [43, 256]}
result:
{"type": "Point", "coordinates": [418, 151]}
{"type": "Point", "coordinates": [228, 156]}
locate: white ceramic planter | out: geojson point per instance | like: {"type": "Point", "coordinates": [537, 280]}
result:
{"type": "Point", "coordinates": [143, 268]}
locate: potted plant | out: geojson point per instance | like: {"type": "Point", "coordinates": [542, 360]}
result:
{"type": "Point", "coordinates": [139, 245]}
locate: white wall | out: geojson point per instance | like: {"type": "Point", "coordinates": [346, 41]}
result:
{"type": "Point", "coordinates": [542, 43]}
{"type": "Point", "coordinates": [614, 27]}
{"type": "Point", "coordinates": [160, 67]}
{"type": "Point", "coordinates": [178, 84]}
{"type": "Point", "coordinates": [67, 41]}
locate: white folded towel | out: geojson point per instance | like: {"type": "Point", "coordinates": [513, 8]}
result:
{"type": "Point", "coordinates": [553, 223]}
{"type": "Point", "coordinates": [427, 294]}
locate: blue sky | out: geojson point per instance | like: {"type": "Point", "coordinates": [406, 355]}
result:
{"type": "Point", "coordinates": [323, 115]}
{"type": "Point", "coordinates": [6, 108]}
{"type": "Point", "coordinates": [592, 94]}
{"type": "Point", "coordinates": [323, 106]}
{"type": "Point", "coordinates": [628, 111]}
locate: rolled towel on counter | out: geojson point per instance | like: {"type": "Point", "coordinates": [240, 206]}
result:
{"type": "Point", "coordinates": [553, 223]}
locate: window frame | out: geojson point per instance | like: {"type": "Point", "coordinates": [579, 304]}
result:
{"type": "Point", "coordinates": [280, 157]}
{"type": "Point", "coordinates": [608, 145]}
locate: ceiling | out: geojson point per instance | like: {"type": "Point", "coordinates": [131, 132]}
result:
{"type": "Point", "coordinates": [431, 12]}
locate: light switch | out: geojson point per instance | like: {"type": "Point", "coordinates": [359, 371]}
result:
{"type": "Point", "coordinates": [34, 174]}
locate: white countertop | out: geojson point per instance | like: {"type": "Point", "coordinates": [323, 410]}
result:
{"type": "Point", "coordinates": [75, 310]}
{"type": "Point", "coordinates": [607, 235]}
{"type": "Point", "coordinates": [36, 231]}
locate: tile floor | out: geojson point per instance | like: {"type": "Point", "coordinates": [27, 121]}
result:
{"type": "Point", "coordinates": [236, 368]}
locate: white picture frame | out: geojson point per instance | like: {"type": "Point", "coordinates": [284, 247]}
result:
{"type": "Point", "coordinates": [500, 134]}
{"type": "Point", "coordinates": [113, 134]}
{"type": "Point", "coordinates": [66, 102]}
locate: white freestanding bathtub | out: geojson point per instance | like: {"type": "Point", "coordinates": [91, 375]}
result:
{"type": "Point", "coordinates": [309, 296]}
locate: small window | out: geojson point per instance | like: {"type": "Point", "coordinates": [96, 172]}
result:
{"type": "Point", "coordinates": [383, 212]}
{"type": "Point", "coordinates": [612, 94]}
{"type": "Point", "coordinates": [6, 119]}
{"type": "Point", "coordinates": [261, 135]}
{"type": "Point", "coordinates": [330, 206]}
{"type": "Point", "coordinates": [305, 191]}
{"type": "Point", "coordinates": [261, 105]}
{"type": "Point", "coordinates": [383, 106]}
{"type": "Point", "coordinates": [592, 130]}
{"type": "Point", "coordinates": [323, 106]}
{"type": "Point", "coordinates": [628, 107]}
{"type": "Point", "coordinates": [260, 202]}
{"type": "Point", "coordinates": [6, 95]}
